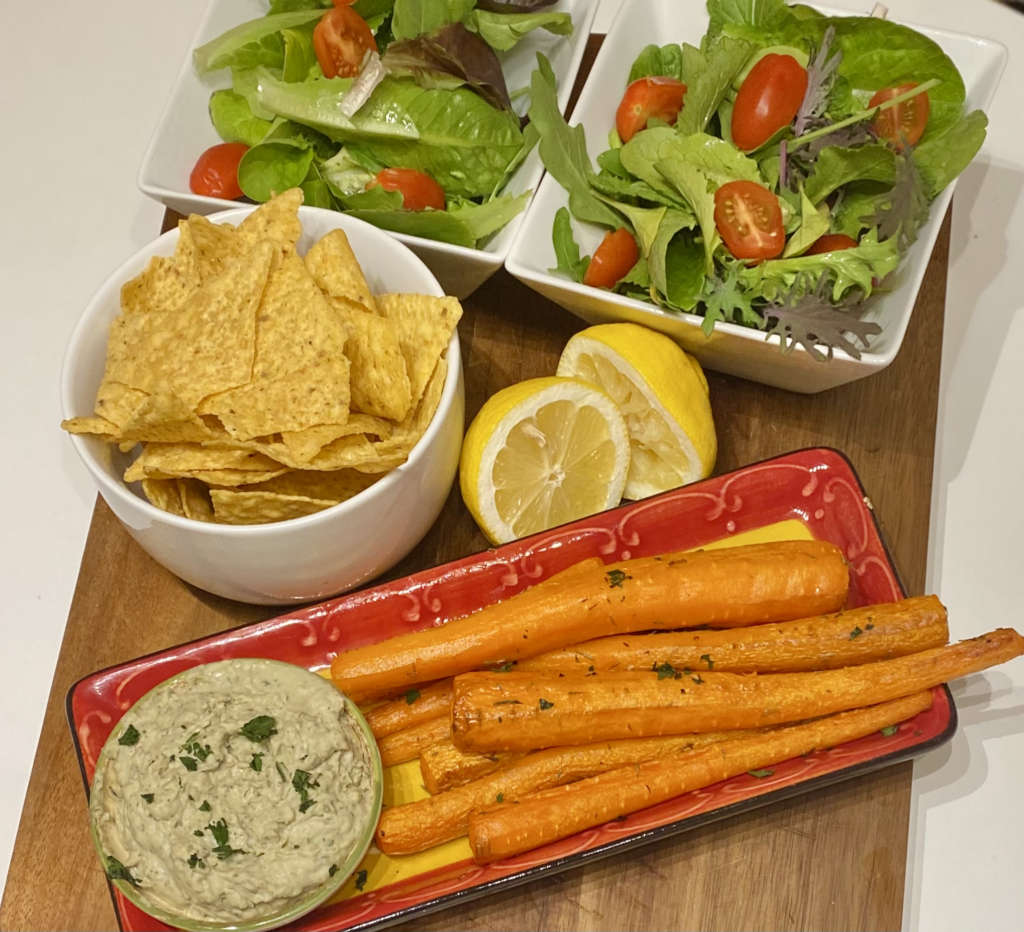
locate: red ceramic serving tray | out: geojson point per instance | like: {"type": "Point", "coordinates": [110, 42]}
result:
{"type": "Point", "coordinates": [812, 492]}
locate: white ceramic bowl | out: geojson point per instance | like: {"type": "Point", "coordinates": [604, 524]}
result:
{"type": "Point", "coordinates": [185, 131]}
{"type": "Point", "coordinates": [731, 348]}
{"type": "Point", "coordinates": [306, 558]}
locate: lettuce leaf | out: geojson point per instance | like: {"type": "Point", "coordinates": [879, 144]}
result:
{"type": "Point", "coordinates": [413, 18]}
{"type": "Point", "coordinates": [708, 77]}
{"type": "Point", "coordinates": [257, 42]}
{"type": "Point", "coordinates": [652, 61]}
{"type": "Point", "coordinates": [676, 271]}
{"type": "Point", "coordinates": [814, 222]}
{"type": "Point", "coordinates": [567, 251]}
{"type": "Point", "coordinates": [502, 31]}
{"type": "Point", "coordinates": [763, 15]}
{"type": "Point", "coordinates": [837, 166]}
{"type": "Point", "coordinates": [234, 121]}
{"type": "Point", "coordinates": [940, 159]}
{"type": "Point", "coordinates": [693, 185]}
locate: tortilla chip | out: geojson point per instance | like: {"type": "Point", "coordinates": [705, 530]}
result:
{"type": "Point", "coordinates": [295, 326]}
{"type": "Point", "coordinates": [334, 267]}
{"type": "Point", "coordinates": [232, 507]}
{"type": "Point", "coordinates": [186, 257]}
{"type": "Point", "coordinates": [301, 446]}
{"type": "Point", "coordinates": [99, 426]}
{"type": "Point", "coordinates": [164, 418]}
{"type": "Point", "coordinates": [195, 499]}
{"type": "Point", "coordinates": [215, 246]}
{"type": "Point", "coordinates": [164, 494]}
{"type": "Point", "coordinates": [379, 382]}
{"type": "Point", "coordinates": [318, 394]}
{"type": "Point", "coordinates": [336, 486]}
{"type": "Point", "coordinates": [345, 453]}
{"type": "Point", "coordinates": [160, 287]}
{"type": "Point", "coordinates": [276, 220]}
{"type": "Point", "coordinates": [181, 460]}
{"type": "Point", "coordinates": [205, 346]}
{"type": "Point", "coordinates": [424, 326]}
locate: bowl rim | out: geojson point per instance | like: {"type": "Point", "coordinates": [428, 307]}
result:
{"type": "Point", "coordinates": [315, 897]}
{"type": "Point", "coordinates": [868, 360]}
{"type": "Point", "coordinates": [120, 490]}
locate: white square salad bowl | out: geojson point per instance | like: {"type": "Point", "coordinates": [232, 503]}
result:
{"type": "Point", "coordinates": [731, 348]}
{"type": "Point", "coordinates": [302, 559]}
{"type": "Point", "coordinates": [184, 132]}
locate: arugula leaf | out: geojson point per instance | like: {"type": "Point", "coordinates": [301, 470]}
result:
{"type": "Point", "coordinates": [693, 185]}
{"type": "Point", "coordinates": [723, 60]}
{"type": "Point", "coordinates": [438, 225]}
{"type": "Point", "coordinates": [813, 223]}
{"type": "Point", "coordinates": [563, 149]}
{"type": "Point", "coordinates": [940, 159]}
{"type": "Point", "coordinates": [502, 31]}
{"type": "Point", "coordinates": [414, 17]}
{"type": "Point", "coordinates": [644, 220]}
{"type": "Point", "coordinates": [257, 42]}
{"type": "Point", "coordinates": [234, 121]}
{"type": "Point", "coordinates": [837, 166]}
{"type": "Point", "coordinates": [531, 136]}
{"type": "Point", "coordinates": [653, 61]}
{"type": "Point", "coordinates": [617, 188]}
{"type": "Point", "coordinates": [567, 251]}
{"type": "Point", "coordinates": [811, 319]}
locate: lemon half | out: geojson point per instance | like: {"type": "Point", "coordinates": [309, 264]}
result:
{"type": "Point", "coordinates": [662, 393]}
{"type": "Point", "coordinates": [541, 453]}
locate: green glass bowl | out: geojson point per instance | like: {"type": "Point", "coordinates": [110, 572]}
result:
{"type": "Point", "coordinates": [300, 907]}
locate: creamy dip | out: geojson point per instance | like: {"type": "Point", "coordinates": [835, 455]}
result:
{"type": "Point", "coordinates": [234, 790]}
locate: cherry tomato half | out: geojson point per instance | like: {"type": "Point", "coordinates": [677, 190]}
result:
{"type": "Point", "coordinates": [341, 40]}
{"type": "Point", "coordinates": [831, 242]}
{"type": "Point", "coordinates": [749, 219]}
{"type": "Point", "coordinates": [903, 125]}
{"type": "Point", "coordinates": [216, 172]}
{"type": "Point", "coordinates": [659, 97]}
{"type": "Point", "coordinates": [418, 191]}
{"type": "Point", "coordinates": [768, 99]}
{"type": "Point", "coordinates": [616, 255]}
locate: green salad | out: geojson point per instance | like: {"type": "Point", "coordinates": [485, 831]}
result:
{"type": "Point", "coordinates": [394, 111]}
{"type": "Point", "coordinates": [772, 178]}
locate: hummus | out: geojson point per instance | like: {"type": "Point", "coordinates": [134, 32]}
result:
{"type": "Point", "coordinates": [233, 791]}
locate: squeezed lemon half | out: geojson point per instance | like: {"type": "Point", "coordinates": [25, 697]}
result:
{"type": "Point", "coordinates": [663, 395]}
{"type": "Point", "coordinates": [542, 453]}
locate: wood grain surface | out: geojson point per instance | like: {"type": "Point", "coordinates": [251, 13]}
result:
{"type": "Point", "coordinates": [831, 859]}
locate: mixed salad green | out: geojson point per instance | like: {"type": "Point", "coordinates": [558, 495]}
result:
{"type": "Point", "coordinates": [848, 170]}
{"type": "Point", "coordinates": [415, 98]}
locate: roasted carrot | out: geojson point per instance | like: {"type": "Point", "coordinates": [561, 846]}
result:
{"type": "Point", "coordinates": [520, 711]}
{"type": "Point", "coordinates": [444, 766]}
{"type": "Point", "coordinates": [428, 822]}
{"type": "Point", "coordinates": [860, 635]}
{"type": "Point", "coordinates": [501, 831]}
{"type": "Point", "coordinates": [409, 743]}
{"type": "Point", "coordinates": [726, 588]}
{"type": "Point", "coordinates": [415, 707]}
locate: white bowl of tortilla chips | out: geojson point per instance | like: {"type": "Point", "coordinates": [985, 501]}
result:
{"type": "Point", "coordinates": [279, 413]}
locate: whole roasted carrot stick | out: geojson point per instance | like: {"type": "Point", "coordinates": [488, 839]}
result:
{"type": "Point", "coordinates": [859, 635]}
{"type": "Point", "coordinates": [410, 742]}
{"type": "Point", "coordinates": [520, 711]}
{"type": "Point", "coordinates": [502, 831]}
{"type": "Point", "coordinates": [415, 707]}
{"type": "Point", "coordinates": [444, 766]}
{"type": "Point", "coordinates": [725, 588]}
{"type": "Point", "coordinates": [428, 822]}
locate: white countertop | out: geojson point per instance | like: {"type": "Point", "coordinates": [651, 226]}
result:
{"type": "Point", "coordinates": [81, 87]}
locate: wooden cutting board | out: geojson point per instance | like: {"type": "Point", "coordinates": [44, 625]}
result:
{"type": "Point", "coordinates": [834, 858]}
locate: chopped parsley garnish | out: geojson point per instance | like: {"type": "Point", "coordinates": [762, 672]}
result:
{"type": "Point", "coordinates": [590, 669]}
{"type": "Point", "coordinates": [198, 833]}
{"type": "Point", "coordinates": [305, 804]}
{"type": "Point", "coordinates": [500, 798]}
{"type": "Point", "coordinates": [509, 702]}
{"type": "Point", "coordinates": [616, 578]}
{"type": "Point", "coordinates": [303, 782]}
{"type": "Point", "coordinates": [361, 880]}
{"type": "Point", "coordinates": [117, 871]}
{"type": "Point", "coordinates": [761, 774]}
{"type": "Point", "coordinates": [148, 797]}
{"type": "Point", "coordinates": [707, 659]}
{"type": "Point", "coordinates": [666, 670]}
{"type": "Point", "coordinates": [544, 704]}
{"type": "Point", "coordinates": [855, 633]}
{"type": "Point", "coordinates": [196, 861]}
{"type": "Point", "coordinates": [868, 626]}
{"type": "Point", "coordinates": [332, 870]}
{"type": "Point", "coordinates": [219, 830]}
{"type": "Point", "coordinates": [205, 807]}
{"type": "Point", "coordinates": [130, 736]}
{"type": "Point", "coordinates": [697, 679]}
{"type": "Point", "coordinates": [189, 762]}
{"type": "Point", "coordinates": [890, 730]}
{"type": "Point", "coordinates": [196, 749]}
{"type": "Point", "coordinates": [225, 851]}
{"type": "Point", "coordinates": [411, 695]}
{"type": "Point", "coordinates": [257, 762]}
{"type": "Point", "coordinates": [505, 667]}
{"type": "Point", "coordinates": [260, 728]}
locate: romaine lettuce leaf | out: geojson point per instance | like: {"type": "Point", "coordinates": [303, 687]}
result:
{"type": "Point", "coordinates": [763, 15]}
{"type": "Point", "coordinates": [299, 57]}
{"type": "Point", "coordinates": [940, 159]}
{"type": "Point", "coordinates": [502, 31]}
{"type": "Point", "coordinates": [412, 18]}
{"type": "Point", "coordinates": [257, 42]}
